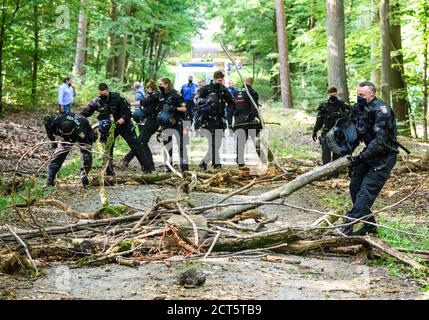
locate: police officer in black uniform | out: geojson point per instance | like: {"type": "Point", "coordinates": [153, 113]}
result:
{"type": "Point", "coordinates": [327, 115]}
{"type": "Point", "coordinates": [171, 119]}
{"type": "Point", "coordinates": [109, 104]}
{"type": "Point", "coordinates": [73, 129]}
{"type": "Point", "coordinates": [211, 102]}
{"type": "Point", "coordinates": [376, 127]}
{"type": "Point", "coordinates": [247, 122]}
{"type": "Point", "coordinates": [145, 117]}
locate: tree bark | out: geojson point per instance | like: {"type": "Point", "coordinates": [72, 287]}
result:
{"type": "Point", "coordinates": [35, 53]}
{"type": "Point", "coordinates": [282, 191]}
{"type": "Point", "coordinates": [79, 64]}
{"type": "Point", "coordinates": [375, 49]}
{"type": "Point", "coordinates": [336, 48]}
{"type": "Point", "coordinates": [398, 87]}
{"type": "Point", "coordinates": [112, 43]}
{"type": "Point", "coordinates": [285, 81]}
{"type": "Point", "coordinates": [385, 51]}
{"type": "Point", "coordinates": [2, 34]}
{"type": "Point", "coordinates": [425, 84]}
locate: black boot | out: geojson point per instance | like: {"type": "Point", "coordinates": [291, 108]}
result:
{"type": "Point", "coordinates": [84, 178]}
{"type": "Point", "coordinates": [348, 229]}
{"type": "Point", "coordinates": [202, 166]}
{"type": "Point", "coordinates": [367, 228]}
{"type": "Point", "coordinates": [50, 182]}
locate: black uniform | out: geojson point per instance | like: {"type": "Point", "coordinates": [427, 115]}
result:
{"type": "Point", "coordinates": [247, 123]}
{"type": "Point", "coordinates": [376, 126]}
{"type": "Point", "coordinates": [211, 102]}
{"type": "Point", "coordinates": [169, 102]}
{"type": "Point", "coordinates": [118, 107]}
{"type": "Point", "coordinates": [82, 135]}
{"type": "Point", "coordinates": [149, 126]}
{"type": "Point", "coordinates": [327, 115]}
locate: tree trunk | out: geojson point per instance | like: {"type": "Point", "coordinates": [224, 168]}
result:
{"type": "Point", "coordinates": [79, 64]}
{"type": "Point", "coordinates": [385, 51]}
{"type": "Point", "coordinates": [425, 84]}
{"type": "Point", "coordinates": [2, 35]}
{"type": "Point", "coordinates": [36, 52]}
{"type": "Point", "coordinates": [111, 68]}
{"type": "Point", "coordinates": [336, 48]}
{"type": "Point", "coordinates": [283, 191]}
{"type": "Point", "coordinates": [375, 49]}
{"type": "Point", "coordinates": [398, 87]}
{"type": "Point", "coordinates": [285, 81]}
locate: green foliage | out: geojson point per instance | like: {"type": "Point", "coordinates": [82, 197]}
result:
{"type": "Point", "coordinates": [27, 192]}
{"type": "Point", "coordinates": [403, 240]}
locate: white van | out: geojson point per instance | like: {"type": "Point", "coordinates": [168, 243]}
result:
{"type": "Point", "coordinates": [199, 70]}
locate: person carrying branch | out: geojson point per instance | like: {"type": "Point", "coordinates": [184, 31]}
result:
{"type": "Point", "coordinates": [327, 115]}
{"type": "Point", "coordinates": [376, 127]}
{"type": "Point", "coordinates": [111, 104]}
{"type": "Point", "coordinates": [72, 129]}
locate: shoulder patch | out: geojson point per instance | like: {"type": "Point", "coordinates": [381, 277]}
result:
{"type": "Point", "coordinates": [384, 109]}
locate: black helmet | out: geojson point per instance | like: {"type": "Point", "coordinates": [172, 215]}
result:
{"type": "Point", "coordinates": [342, 138]}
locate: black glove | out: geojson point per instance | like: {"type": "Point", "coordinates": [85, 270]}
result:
{"type": "Point", "coordinates": [314, 136]}
{"type": "Point", "coordinates": [356, 160]}
{"type": "Point", "coordinates": [54, 145]}
{"type": "Point", "coordinates": [93, 136]}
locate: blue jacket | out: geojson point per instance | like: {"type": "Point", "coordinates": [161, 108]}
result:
{"type": "Point", "coordinates": [188, 91]}
{"type": "Point", "coordinates": [66, 95]}
{"type": "Point", "coordinates": [139, 95]}
{"type": "Point", "coordinates": [232, 91]}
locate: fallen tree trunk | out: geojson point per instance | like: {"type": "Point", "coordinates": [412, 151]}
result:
{"type": "Point", "coordinates": [283, 191]}
{"type": "Point", "coordinates": [289, 240]}
{"type": "Point", "coordinates": [82, 225]}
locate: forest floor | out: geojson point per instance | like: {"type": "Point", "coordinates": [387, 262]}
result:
{"type": "Point", "coordinates": [258, 275]}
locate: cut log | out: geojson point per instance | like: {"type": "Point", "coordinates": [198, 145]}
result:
{"type": "Point", "coordinates": [283, 191]}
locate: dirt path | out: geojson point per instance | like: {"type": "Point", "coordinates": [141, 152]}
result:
{"type": "Point", "coordinates": [241, 277]}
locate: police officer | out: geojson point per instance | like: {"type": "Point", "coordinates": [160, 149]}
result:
{"type": "Point", "coordinates": [327, 115]}
{"type": "Point", "coordinates": [212, 100]}
{"type": "Point", "coordinates": [376, 127]}
{"type": "Point", "coordinates": [229, 111]}
{"type": "Point", "coordinates": [188, 92]}
{"type": "Point", "coordinates": [109, 104]}
{"type": "Point", "coordinates": [145, 117]}
{"type": "Point", "coordinates": [73, 129]}
{"type": "Point", "coordinates": [247, 122]}
{"type": "Point", "coordinates": [171, 119]}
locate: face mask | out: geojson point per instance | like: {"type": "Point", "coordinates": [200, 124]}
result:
{"type": "Point", "coordinates": [361, 101]}
{"type": "Point", "coordinates": [217, 85]}
{"type": "Point", "coordinates": [190, 81]}
{"type": "Point", "coordinates": [104, 98]}
{"type": "Point", "coordinates": [162, 89]}
{"type": "Point", "coordinates": [333, 99]}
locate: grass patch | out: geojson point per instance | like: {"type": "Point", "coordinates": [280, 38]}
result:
{"type": "Point", "coordinates": [402, 240]}
{"type": "Point", "coordinates": [338, 202]}
{"type": "Point", "coordinates": [27, 192]}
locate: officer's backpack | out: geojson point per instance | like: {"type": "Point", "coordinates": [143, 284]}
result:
{"type": "Point", "coordinates": [244, 108]}
{"type": "Point", "coordinates": [342, 139]}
